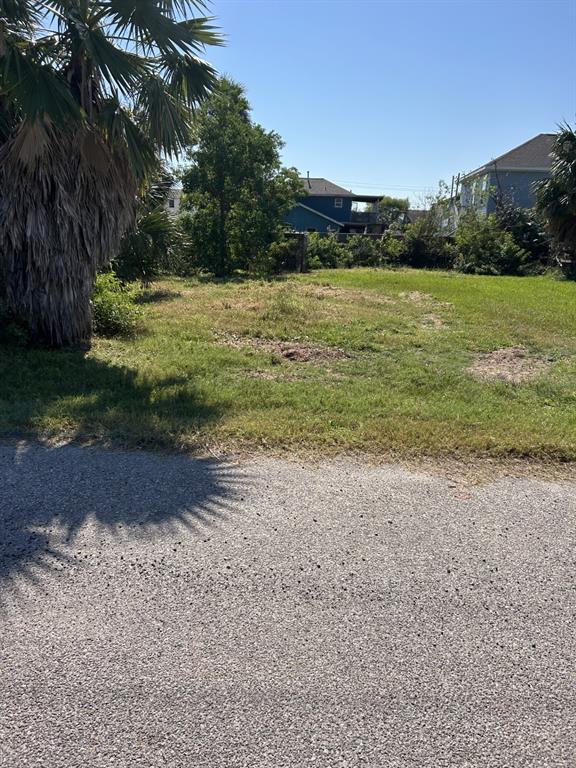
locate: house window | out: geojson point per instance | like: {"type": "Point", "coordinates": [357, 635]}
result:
{"type": "Point", "coordinates": [171, 202]}
{"type": "Point", "coordinates": [338, 202]}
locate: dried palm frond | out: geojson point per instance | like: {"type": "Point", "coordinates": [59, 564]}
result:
{"type": "Point", "coordinates": [66, 199]}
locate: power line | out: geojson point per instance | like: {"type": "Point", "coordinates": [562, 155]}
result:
{"type": "Point", "coordinates": [383, 185]}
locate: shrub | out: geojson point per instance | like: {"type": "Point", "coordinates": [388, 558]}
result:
{"type": "Point", "coordinates": [528, 231]}
{"type": "Point", "coordinates": [325, 251]}
{"type": "Point", "coordinates": [363, 251]}
{"type": "Point", "coordinates": [285, 255]}
{"type": "Point", "coordinates": [114, 311]}
{"type": "Point", "coordinates": [425, 247]}
{"type": "Point", "coordinates": [393, 250]}
{"type": "Point", "coordinates": [483, 248]}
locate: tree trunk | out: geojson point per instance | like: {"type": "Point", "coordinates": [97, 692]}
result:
{"type": "Point", "coordinates": [54, 305]}
{"type": "Point", "coordinates": [65, 201]}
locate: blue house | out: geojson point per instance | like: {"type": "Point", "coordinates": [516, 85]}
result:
{"type": "Point", "coordinates": [510, 177]}
{"type": "Point", "coordinates": [326, 207]}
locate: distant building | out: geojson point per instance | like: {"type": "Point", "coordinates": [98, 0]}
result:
{"type": "Point", "coordinates": [326, 207]}
{"type": "Point", "coordinates": [511, 177]}
{"type": "Point", "coordinates": [414, 214]}
{"type": "Point", "coordinates": [173, 199]}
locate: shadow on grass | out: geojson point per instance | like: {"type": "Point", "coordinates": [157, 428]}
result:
{"type": "Point", "coordinates": [241, 277]}
{"type": "Point", "coordinates": [156, 296]}
{"type": "Point", "coordinates": [45, 393]}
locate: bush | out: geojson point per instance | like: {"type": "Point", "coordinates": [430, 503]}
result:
{"type": "Point", "coordinates": [393, 250]}
{"type": "Point", "coordinates": [483, 248]}
{"type": "Point", "coordinates": [325, 251]}
{"type": "Point", "coordinates": [425, 247]}
{"type": "Point", "coordinates": [285, 254]}
{"type": "Point", "coordinates": [114, 310]}
{"type": "Point", "coordinates": [529, 233]}
{"type": "Point", "coordinates": [363, 251]}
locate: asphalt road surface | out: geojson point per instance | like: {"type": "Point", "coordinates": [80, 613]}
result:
{"type": "Point", "coordinates": [161, 612]}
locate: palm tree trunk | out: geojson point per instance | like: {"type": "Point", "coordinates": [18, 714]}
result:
{"type": "Point", "coordinates": [65, 202]}
{"type": "Point", "coordinates": [54, 304]}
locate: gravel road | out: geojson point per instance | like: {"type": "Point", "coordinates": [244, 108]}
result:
{"type": "Point", "coordinates": [160, 611]}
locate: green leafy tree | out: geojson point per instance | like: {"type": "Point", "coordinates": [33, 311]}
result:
{"type": "Point", "coordinates": [237, 190]}
{"type": "Point", "coordinates": [392, 211]}
{"type": "Point", "coordinates": [91, 93]}
{"type": "Point", "coordinates": [556, 197]}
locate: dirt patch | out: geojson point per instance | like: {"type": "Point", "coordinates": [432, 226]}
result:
{"type": "Point", "coordinates": [432, 321]}
{"type": "Point", "coordinates": [352, 296]}
{"type": "Point", "coordinates": [239, 305]}
{"type": "Point", "coordinates": [416, 296]}
{"type": "Point", "coordinates": [512, 364]}
{"type": "Point", "coordinates": [294, 351]}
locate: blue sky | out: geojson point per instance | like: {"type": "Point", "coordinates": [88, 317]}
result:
{"type": "Point", "coordinates": [392, 96]}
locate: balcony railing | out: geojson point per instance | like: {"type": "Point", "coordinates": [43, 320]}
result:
{"type": "Point", "coordinates": [364, 217]}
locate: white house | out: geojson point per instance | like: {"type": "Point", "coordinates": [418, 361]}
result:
{"type": "Point", "coordinates": [173, 200]}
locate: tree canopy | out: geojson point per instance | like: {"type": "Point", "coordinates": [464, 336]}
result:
{"type": "Point", "coordinates": [236, 185]}
{"type": "Point", "coordinates": [393, 210]}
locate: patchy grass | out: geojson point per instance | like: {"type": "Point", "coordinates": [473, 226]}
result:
{"type": "Point", "coordinates": [240, 365]}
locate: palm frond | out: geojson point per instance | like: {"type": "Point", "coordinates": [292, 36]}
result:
{"type": "Point", "coordinates": [165, 119]}
{"type": "Point", "coordinates": [121, 129]}
{"type": "Point", "coordinates": [120, 69]}
{"type": "Point", "coordinates": [36, 88]}
{"type": "Point", "coordinates": [187, 77]}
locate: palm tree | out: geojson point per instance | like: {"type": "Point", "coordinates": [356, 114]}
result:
{"type": "Point", "coordinates": [92, 93]}
{"type": "Point", "coordinates": [556, 197]}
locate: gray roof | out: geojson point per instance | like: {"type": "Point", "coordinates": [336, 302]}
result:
{"type": "Point", "coordinates": [319, 187]}
{"type": "Point", "coordinates": [534, 154]}
{"type": "Point", "coordinates": [416, 213]}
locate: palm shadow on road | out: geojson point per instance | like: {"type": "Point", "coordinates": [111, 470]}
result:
{"type": "Point", "coordinates": [50, 495]}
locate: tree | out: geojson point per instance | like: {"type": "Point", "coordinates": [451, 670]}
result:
{"type": "Point", "coordinates": [238, 191]}
{"type": "Point", "coordinates": [556, 196]}
{"type": "Point", "coordinates": [91, 93]}
{"type": "Point", "coordinates": [393, 210]}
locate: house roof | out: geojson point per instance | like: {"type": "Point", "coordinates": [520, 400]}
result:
{"type": "Point", "coordinates": [534, 154]}
{"type": "Point", "coordinates": [413, 214]}
{"type": "Point", "coordinates": [322, 187]}
{"type": "Point", "coordinates": [319, 214]}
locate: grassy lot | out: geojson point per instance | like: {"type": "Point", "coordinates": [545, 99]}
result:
{"type": "Point", "coordinates": [387, 374]}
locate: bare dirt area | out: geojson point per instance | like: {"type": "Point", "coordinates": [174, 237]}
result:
{"type": "Point", "coordinates": [352, 296]}
{"type": "Point", "coordinates": [514, 365]}
{"type": "Point", "coordinates": [294, 351]}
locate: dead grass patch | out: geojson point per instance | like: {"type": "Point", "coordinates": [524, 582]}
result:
{"type": "Point", "coordinates": [511, 364]}
{"type": "Point", "coordinates": [294, 351]}
{"type": "Point", "coordinates": [432, 321]}
{"type": "Point", "coordinates": [351, 296]}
